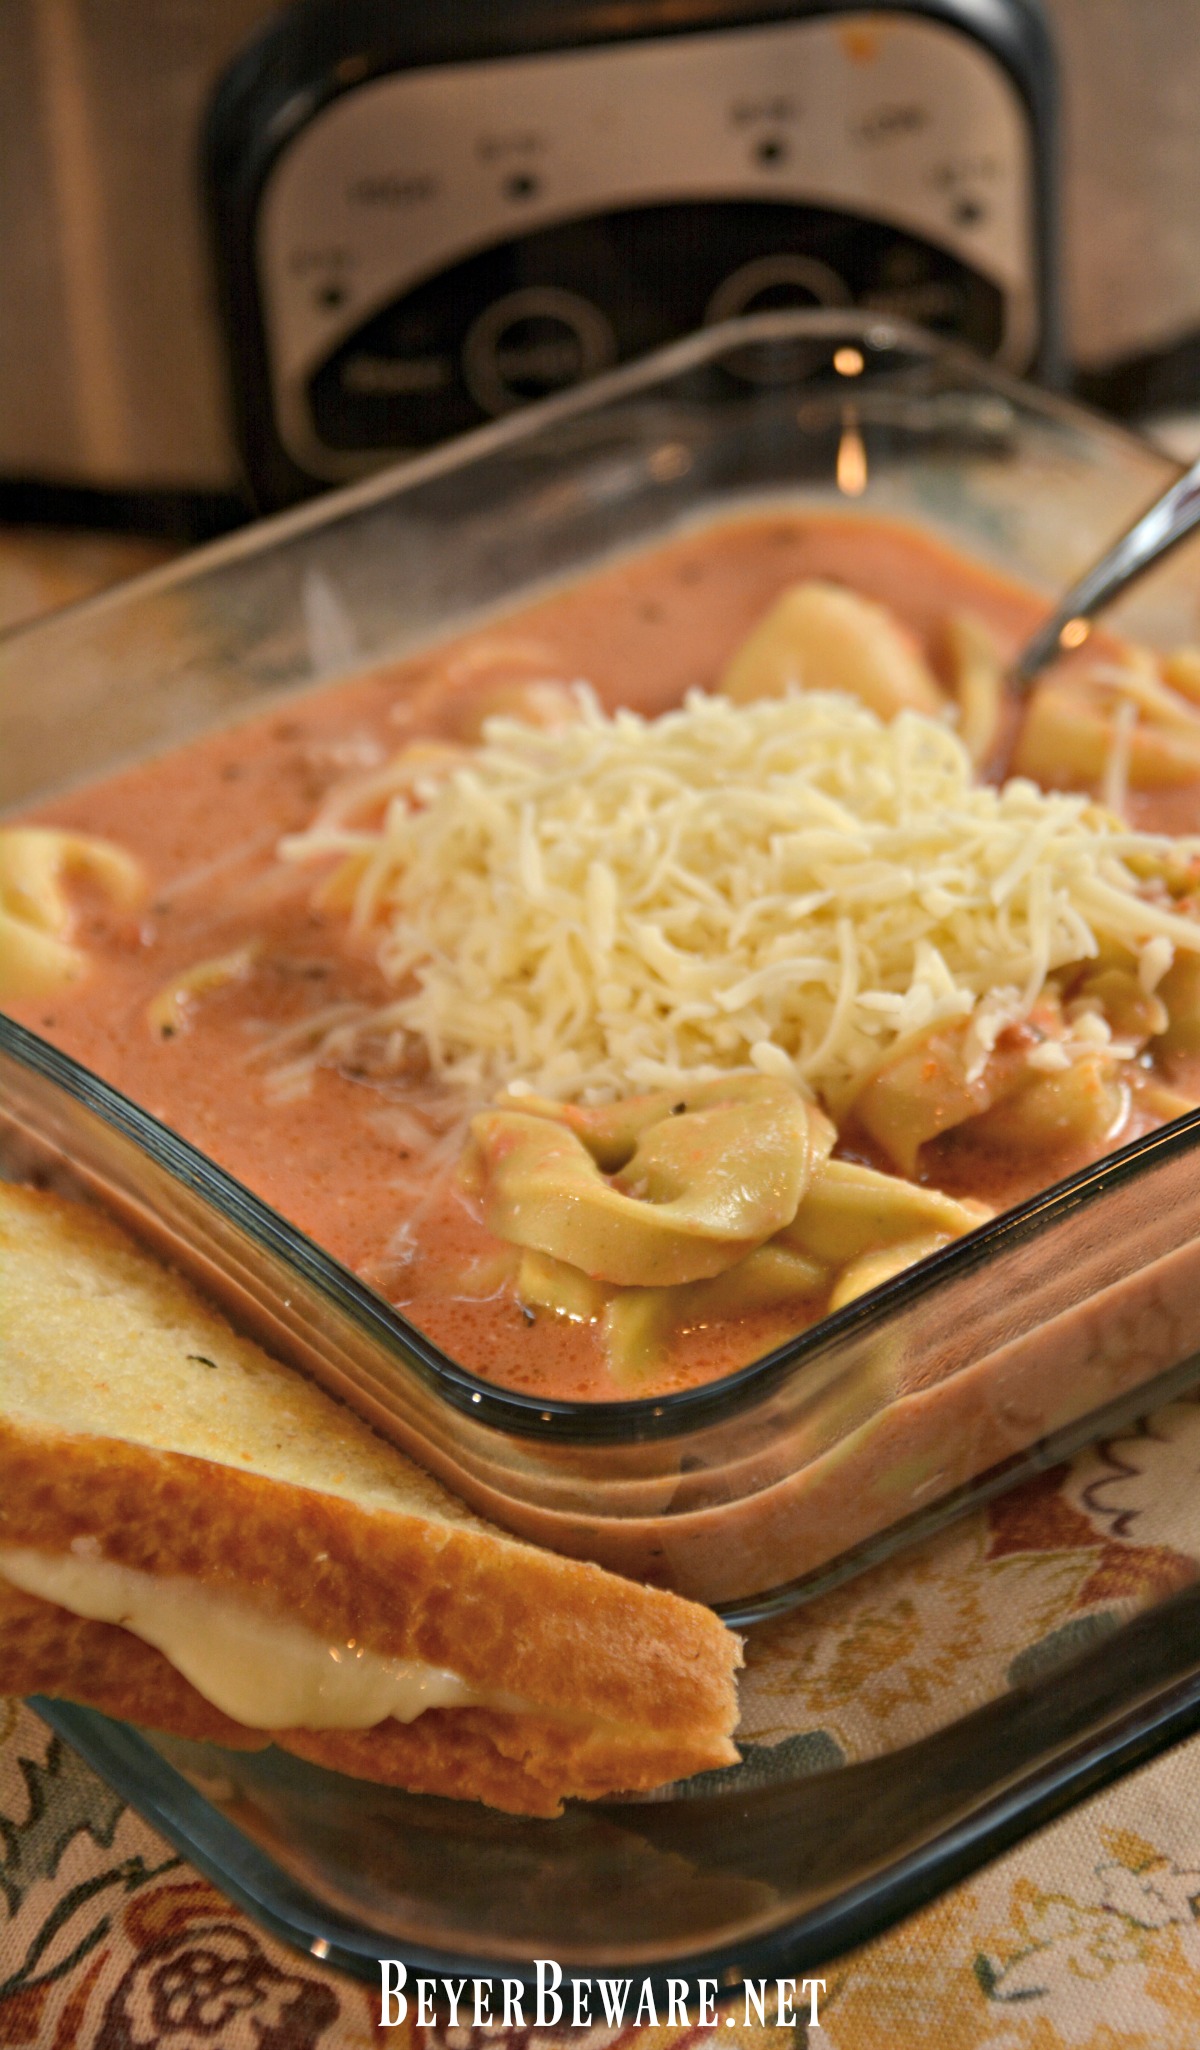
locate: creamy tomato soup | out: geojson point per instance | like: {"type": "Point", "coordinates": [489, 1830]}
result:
{"type": "Point", "coordinates": [362, 1150]}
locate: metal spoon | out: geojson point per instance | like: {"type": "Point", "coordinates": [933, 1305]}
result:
{"type": "Point", "coordinates": [1152, 536]}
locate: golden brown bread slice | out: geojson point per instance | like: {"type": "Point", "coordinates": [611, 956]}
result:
{"type": "Point", "coordinates": [138, 1429]}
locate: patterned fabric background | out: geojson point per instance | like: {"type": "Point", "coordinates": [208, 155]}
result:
{"type": "Point", "coordinates": [1086, 1936]}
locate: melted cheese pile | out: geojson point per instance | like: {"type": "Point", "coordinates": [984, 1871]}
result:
{"type": "Point", "coordinates": [788, 884]}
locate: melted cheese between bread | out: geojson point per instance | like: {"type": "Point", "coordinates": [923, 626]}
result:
{"type": "Point", "coordinates": [267, 1672]}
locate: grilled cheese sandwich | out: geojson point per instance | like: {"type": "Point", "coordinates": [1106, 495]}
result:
{"type": "Point", "coordinates": [194, 1537]}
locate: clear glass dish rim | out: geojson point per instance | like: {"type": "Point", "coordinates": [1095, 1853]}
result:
{"type": "Point", "coordinates": [1057, 1779]}
{"type": "Point", "coordinates": [1062, 1761]}
{"type": "Point", "coordinates": [633, 1419]}
{"type": "Point", "coordinates": [628, 380]}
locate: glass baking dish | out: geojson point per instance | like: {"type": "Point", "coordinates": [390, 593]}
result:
{"type": "Point", "coordinates": [947, 1384]}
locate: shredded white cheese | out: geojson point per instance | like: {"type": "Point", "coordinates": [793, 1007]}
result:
{"type": "Point", "coordinates": [790, 885]}
{"type": "Point", "coordinates": [1114, 790]}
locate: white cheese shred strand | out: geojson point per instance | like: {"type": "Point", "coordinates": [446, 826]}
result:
{"type": "Point", "coordinates": [609, 905]}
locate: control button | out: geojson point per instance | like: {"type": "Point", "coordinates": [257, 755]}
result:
{"type": "Point", "coordinates": [770, 283]}
{"type": "Point", "coordinates": [533, 342]}
{"type": "Point", "coordinates": [771, 151]}
{"type": "Point", "coordinates": [395, 376]}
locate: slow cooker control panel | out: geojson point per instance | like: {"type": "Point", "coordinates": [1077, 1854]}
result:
{"type": "Point", "coordinates": [441, 245]}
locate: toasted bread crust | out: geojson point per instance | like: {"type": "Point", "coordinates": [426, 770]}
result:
{"type": "Point", "coordinates": [523, 1764]}
{"type": "Point", "coordinates": [558, 1632]}
{"type": "Point", "coordinates": [627, 1686]}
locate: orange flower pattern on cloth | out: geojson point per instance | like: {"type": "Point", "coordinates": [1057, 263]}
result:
{"type": "Point", "coordinates": [1087, 1937]}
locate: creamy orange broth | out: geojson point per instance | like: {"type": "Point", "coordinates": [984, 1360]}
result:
{"type": "Point", "coordinates": [356, 1162]}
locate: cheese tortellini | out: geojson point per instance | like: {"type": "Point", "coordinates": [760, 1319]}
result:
{"type": "Point", "coordinates": [657, 1189]}
{"type": "Point", "coordinates": [1140, 711]}
{"type": "Point", "coordinates": [820, 636]}
{"type": "Point", "coordinates": [38, 949]}
{"type": "Point", "coordinates": [666, 1211]}
{"type": "Point", "coordinates": [171, 1010]}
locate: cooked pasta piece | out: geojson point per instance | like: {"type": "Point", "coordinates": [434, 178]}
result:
{"type": "Point", "coordinates": [850, 1210]}
{"type": "Point", "coordinates": [548, 1284]}
{"type": "Point", "coordinates": [701, 1184]}
{"type": "Point", "coordinates": [1157, 1098]}
{"type": "Point", "coordinates": [978, 678]}
{"type": "Point", "coordinates": [1179, 992]}
{"type": "Point", "coordinates": [851, 1228]}
{"type": "Point", "coordinates": [637, 1328]}
{"type": "Point", "coordinates": [873, 1269]}
{"type": "Point", "coordinates": [171, 1010]}
{"type": "Point", "coordinates": [933, 1083]}
{"type": "Point", "coordinates": [1138, 679]}
{"type": "Point", "coordinates": [1082, 1104]}
{"type": "Point", "coordinates": [611, 1131]}
{"type": "Point", "coordinates": [1069, 733]}
{"type": "Point", "coordinates": [1181, 669]}
{"type": "Point", "coordinates": [638, 1323]}
{"type": "Point", "coordinates": [820, 636]}
{"type": "Point", "coordinates": [38, 952]}
{"type": "Point", "coordinates": [1119, 996]}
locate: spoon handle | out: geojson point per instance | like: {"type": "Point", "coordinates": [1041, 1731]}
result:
{"type": "Point", "coordinates": [1159, 529]}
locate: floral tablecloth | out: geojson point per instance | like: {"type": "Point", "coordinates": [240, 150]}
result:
{"type": "Point", "coordinates": [1085, 1937]}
